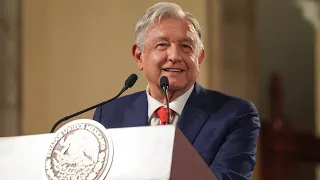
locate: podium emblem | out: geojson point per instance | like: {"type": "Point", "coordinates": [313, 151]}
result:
{"type": "Point", "coordinates": [82, 150]}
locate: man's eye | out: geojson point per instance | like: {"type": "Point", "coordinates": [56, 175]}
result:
{"type": "Point", "coordinates": [186, 46]}
{"type": "Point", "coordinates": [162, 44]}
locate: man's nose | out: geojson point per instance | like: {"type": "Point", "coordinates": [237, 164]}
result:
{"type": "Point", "coordinates": [174, 54]}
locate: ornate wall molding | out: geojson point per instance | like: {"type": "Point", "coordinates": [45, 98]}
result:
{"type": "Point", "coordinates": [9, 67]}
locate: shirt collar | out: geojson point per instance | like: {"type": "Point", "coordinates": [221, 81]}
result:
{"type": "Point", "coordinates": [177, 105]}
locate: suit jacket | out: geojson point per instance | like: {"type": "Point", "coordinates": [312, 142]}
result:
{"type": "Point", "coordinates": [223, 129]}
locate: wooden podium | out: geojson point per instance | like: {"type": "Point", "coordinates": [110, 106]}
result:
{"type": "Point", "coordinates": [144, 153]}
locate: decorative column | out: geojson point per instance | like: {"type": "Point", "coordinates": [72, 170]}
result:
{"type": "Point", "coordinates": [311, 12]}
{"type": "Point", "coordinates": [232, 43]}
{"type": "Point", "coordinates": [9, 68]}
{"type": "Point", "coordinates": [231, 51]}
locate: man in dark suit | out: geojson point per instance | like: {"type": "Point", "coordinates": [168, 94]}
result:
{"type": "Point", "coordinates": [223, 129]}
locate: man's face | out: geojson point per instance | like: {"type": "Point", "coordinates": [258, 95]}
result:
{"type": "Point", "coordinates": [170, 49]}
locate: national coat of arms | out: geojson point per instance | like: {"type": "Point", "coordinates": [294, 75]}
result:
{"type": "Point", "coordinates": [81, 150]}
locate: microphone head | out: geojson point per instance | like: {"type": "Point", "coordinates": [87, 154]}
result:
{"type": "Point", "coordinates": [131, 80]}
{"type": "Point", "coordinates": [164, 82]}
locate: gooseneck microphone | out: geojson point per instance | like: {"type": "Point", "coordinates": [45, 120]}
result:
{"type": "Point", "coordinates": [164, 84]}
{"type": "Point", "coordinates": [131, 80]}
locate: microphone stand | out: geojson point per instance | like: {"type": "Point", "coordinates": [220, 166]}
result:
{"type": "Point", "coordinates": [131, 80]}
{"type": "Point", "coordinates": [165, 90]}
{"type": "Point", "coordinates": [85, 110]}
{"type": "Point", "coordinates": [164, 84]}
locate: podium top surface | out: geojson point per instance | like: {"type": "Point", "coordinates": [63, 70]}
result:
{"type": "Point", "coordinates": [137, 153]}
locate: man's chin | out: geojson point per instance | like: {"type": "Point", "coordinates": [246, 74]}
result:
{"type": "Point", "coordinates": [177, 88]}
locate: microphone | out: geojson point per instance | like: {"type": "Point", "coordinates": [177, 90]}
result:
{"type": "Point", "coordinates": [164, 84]}
{"type": "Point", "coordinates": [131, 80]}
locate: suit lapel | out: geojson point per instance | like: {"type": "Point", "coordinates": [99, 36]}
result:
{"type": "Point", "coordinates": [137, 115]}
{"type": "Point", "coordinates": [190, 123]}
{"type": "Point", "coordinates": [193, 115]}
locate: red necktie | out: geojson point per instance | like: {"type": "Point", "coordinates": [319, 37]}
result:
{"type": "Point", "coordinates": [162, 114]}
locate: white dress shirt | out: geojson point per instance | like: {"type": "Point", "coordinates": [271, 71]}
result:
{"type": "Point", "coordinates": [177, 106]}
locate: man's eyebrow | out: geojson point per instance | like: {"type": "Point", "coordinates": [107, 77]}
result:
{"type": "Point", "coordinates": [187, 40]}
{"type": "Point", "coordinates": [163, 38]}
{"type": "Point", "coordinates": [160, 38]}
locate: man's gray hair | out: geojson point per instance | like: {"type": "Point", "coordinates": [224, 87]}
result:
{"type": "Point", "coordinates": [165, 9]}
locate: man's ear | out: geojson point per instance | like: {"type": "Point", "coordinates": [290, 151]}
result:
{"type": "Point", "coordinates": [201, 57]}
{"type": "Point", "coordinates": [136, 53]}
